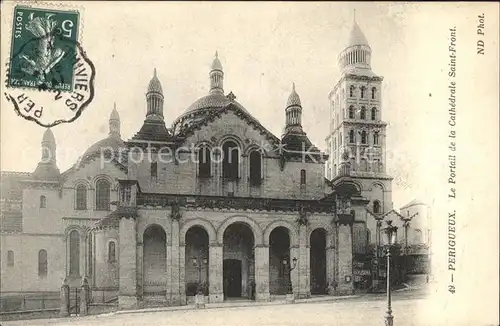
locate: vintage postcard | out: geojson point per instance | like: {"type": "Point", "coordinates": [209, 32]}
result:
{"type": "Point", "coordinates": [249, 163]}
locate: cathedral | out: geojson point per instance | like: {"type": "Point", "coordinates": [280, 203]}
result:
{"type": "Point", "coordinates": [213, 204]}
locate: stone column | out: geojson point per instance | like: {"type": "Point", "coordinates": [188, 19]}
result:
{"type": "Point", "coordinates": [262, 273]}
{"type": "Point", "coordinates": [294, 253]}
{"type": "Point", "coordinates": [64, 299]}
{"type": "Point", "coordinates": [140, 270]}
{"type": "Point", "coordinates": [344, 252]}
{"type": "Point", "coordinates": [330, 260]}
{"type": "Point", "coordinates": [215, 259]}
{"type": "Point", "coordinates": [127, 297]}
{"type": "Point", "coordinates": [182, 274]}
{"type": "Point", "coordinates": [303, 264]}
{"type": "Point", "coordinates": [84, 297]}
{"type": "Point", "coordinates": [175, 273]}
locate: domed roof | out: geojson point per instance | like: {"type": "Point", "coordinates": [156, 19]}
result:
{"type": "Point", "coordinates": [154, 84]}
{"type": "Point", "coordinates": [357, 37]}
{"type": "Point", "coordinates": [212, 101]}
{"type": "Point", "coordinates": [293, 99]}
{"type": "Point", "coordinates": [216, 64]}
{"type": "Point", "coordinates": [48, 136]}
{"type": "Point", "coordinates": [109, 143]}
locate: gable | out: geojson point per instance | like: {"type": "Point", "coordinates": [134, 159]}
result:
{"type": "Point", "coordinates": [89, 170]}
{"type": "Point", "coordinates": [236, 123]}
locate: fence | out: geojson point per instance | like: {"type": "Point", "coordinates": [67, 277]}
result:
{"type": "Point", "coordinates": [29, 302]}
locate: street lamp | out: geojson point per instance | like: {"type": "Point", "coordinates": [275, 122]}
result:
{"type": "Point", "coordinates": [199, 267]}
{"type": "Point", "coordinates": [391, 233]}
{"type": "Point", "coordinates": [288, 270]}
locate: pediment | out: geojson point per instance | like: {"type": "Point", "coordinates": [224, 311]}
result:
{"type": "Point", "coordinates": [231, 121]}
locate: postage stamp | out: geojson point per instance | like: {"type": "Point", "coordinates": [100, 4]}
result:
{"type": "Point", "coordinates": [50, 79]}
{"type": "Point", "coordinates": [43, 44]}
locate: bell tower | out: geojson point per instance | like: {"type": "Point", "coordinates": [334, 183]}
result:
{"type": "Point", "coordinates": [357, 132]}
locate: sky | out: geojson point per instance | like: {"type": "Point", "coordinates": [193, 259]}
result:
{"type": "Point", "coordinates": [264, 48]}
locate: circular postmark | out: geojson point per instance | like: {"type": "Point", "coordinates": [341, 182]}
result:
{"type": "Point", "coordinates": [50, 79]}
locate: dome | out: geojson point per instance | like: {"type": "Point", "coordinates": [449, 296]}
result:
{"type": "Point", "coordinates": [293, 99]}
{"type": "Point", "coordinates": [357, 37]}
{"type": "Point", "coordinates": [154, 84]}
{"type": "Point", "coordinates": [211, 101]}
{"type": "Point", "coordinates": [113, 143]}
{"type": "Point", "coordinates": [48, 136]}
{"type": "Point", "coordinates": [202, 106]}
{"type": "Point", "coordinates": [216, 64]}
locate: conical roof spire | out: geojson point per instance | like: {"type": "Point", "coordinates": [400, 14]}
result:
{"type": "Point", "coordinates": [216, 64]}
{"type": "Point", "coordinates": [48, 137]}
{"type": "Point", "coordinates": [114, 123]}
{"type": "Point", "coordinates": [293, 98]}
{"type": "Point", "coordinates": [154, 84]}
{"type": "Point", "coordinates": [216, 76]}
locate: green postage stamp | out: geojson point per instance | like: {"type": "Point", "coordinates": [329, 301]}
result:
{"type": "Point", "coordinates": [50, 79]}
{"type": "Point", "coordinates": [43, 48]}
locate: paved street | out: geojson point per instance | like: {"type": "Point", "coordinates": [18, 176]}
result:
{"type": "Point", "coordinates": [365, 310]}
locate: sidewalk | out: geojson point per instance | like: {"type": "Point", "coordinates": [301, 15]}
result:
{"type": "Point", "coordinates": [231, 304]}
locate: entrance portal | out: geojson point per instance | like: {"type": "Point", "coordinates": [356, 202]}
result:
{"type": "Point", "coordinates": [318, 262]}
{"type": "Point", "coordinates": [232, 278]}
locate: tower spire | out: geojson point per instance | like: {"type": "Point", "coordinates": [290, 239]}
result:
{"type": "Point", "coordinates": [154, 98]}
{"type": "Point", "coordinates": [216, 76]}
{"type": "Point", "coordinates": [114, 123]}
{"type": "Point", "coordinates": [293, 111]}
{"type": "Point", "coordinates": [47, 167]}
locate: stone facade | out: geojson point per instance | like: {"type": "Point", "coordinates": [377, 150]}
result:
{"type": "Point", "coordinates": [146, 221]}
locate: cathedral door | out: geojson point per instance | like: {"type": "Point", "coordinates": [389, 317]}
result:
{"type": "Point", "coordinates": [232, 278]}
{"type": "Point", "coordinates": [155, 261]}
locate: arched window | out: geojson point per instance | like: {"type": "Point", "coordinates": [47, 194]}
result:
{"type": "Point", "coordinates": [204, 162]}
{"type": "Point", "coordinates": [351, 91]}
{"type": "Point", "coordinates": [363, 137]}
{"type": "Point", "coordinates": [352, 137]}
{"type": "Point", "coordinates": [374, 113]}
{"type": "Point", "coordinates": [363, 113]}
{"type": "Point", "coordinates": [363, 88]}
{"type": "Point", "coordinates": [111, 251]}
{"type": "Point", "coordinates": [374, 91]}
{"type": "Point", "coordinates": [351, 112]}
{"type": "Point", "coordinates": [231, 164]}
{"type": "Point", "coordinates": [74, 253]}
{"type": "Point", "coordinates": [10, 258]}
{"type": "Point", "coordinates": [302, 177]}
{"type": "Point", "coordinates": [81, 197]}
{"type": "Point", "coordinates": [154, 170]}
{"type": "Point", "coordinates": [42, 263]}
{"type": "Point", "coordinates": [376, 207]}
{"type": "Point", "coordinates": [43, 201]}
{"type": "Point", "coordinates": [368, 236]}
{"type": "Point", "coordinates": [102, 195]}
{"type": "Point", "coordinates": [375, 138]}
{"type": "Point", "coordinates": [255, 168]}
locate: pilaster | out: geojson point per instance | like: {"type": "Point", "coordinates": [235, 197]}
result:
{"type": "Point", "coordinates": [215, 258]}
{"type": "Point", "coordinates": [262, 273]}
{"type": "Point", "coordinates": [175, 263]}
{"type": "Point", "coordinates": [344, 252]}
{"type": "Point", "coordinates": [127, 297]}
{"type": "Point", "coordinates": [182, 274]}
{"type": "Point", "coordinates": [303, 263]}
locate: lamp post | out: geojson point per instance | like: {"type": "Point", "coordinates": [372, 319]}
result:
{"type": "Point", "coordinates": [391, 233]}
{"type": "Point", "coordinates": [406, 225]}
{"type": "Point", "coordinates": [288, 271]}
{"type": "Point", "coordinates": [199, 267]}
